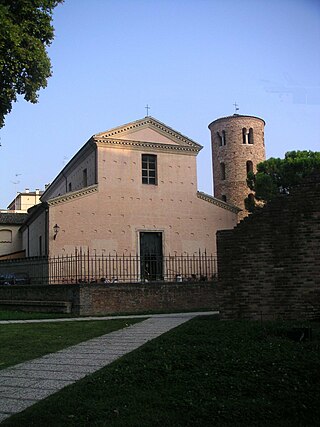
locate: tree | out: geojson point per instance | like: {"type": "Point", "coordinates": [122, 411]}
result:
{"type": "Point", "coordinates": [278, 176]}
{"type": "Point", "coordinates": [25, 32]}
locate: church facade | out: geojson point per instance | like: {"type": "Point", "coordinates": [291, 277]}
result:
{"type": "Point", "coordinates": [129, 190]}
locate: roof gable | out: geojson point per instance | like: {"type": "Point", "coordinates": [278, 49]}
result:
{"type": "Point", "coordinates": [147, 134]}
{"type": "Point", "coordinates": [148, 130]}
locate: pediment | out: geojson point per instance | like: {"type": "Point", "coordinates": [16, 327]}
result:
{"type": "Point", "coordinates": [148, 130]}
{"type": "Point", "coordinates": [147, 135]}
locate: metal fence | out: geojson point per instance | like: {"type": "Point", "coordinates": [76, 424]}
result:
{"type": "Point", "coordinates": [83, 267]}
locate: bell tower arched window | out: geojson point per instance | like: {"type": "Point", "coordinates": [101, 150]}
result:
{"type": "Point", "coordinates": [224, 142]}
{"type": "Point", "coordinates": [221, 138]}
{"type": "Point", "coordinates": [222, 171]}
{"type": "Point", "coordinates": [247, 136]}
{"type": "Point", "coordinates": [244, 136]}
{"type": "Point", "coordinates": [250, 136]}
{"type": "Point", "coordinates": [249, 166]}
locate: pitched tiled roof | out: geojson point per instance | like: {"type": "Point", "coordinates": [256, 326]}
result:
{"type": "Point", "coordinates": [12, 218]}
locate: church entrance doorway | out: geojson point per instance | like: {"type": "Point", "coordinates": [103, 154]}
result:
{"type": "Point", "coordinates": [151, 256]}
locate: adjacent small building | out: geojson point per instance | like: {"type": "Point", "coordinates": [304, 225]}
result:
{"type": "Point", "coordinates": [11, 220]}
{"type": "Point", "coordinates": [10, 236]}
{"type": "Point", "coordinates": [25, 200]}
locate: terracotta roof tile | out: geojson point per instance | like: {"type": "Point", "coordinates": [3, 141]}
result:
{"type": "Point", "coordinates": [12, 218]}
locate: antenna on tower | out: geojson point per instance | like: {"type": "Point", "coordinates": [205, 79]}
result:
{"type": "Point", "coordinates": [236, 108]}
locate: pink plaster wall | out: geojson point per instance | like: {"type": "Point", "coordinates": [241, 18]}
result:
{"type": "Point", "coordinates": [110, 219]}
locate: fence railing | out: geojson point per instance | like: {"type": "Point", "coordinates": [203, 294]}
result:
{"type": "Point", "coordinates": [83, 267]}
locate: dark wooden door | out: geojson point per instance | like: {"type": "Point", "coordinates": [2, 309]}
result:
{"type": "Point", "coordinates": [151, 256]}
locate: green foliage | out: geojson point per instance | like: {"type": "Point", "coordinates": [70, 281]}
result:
{"type": "Point", "coordinates": [278, 176]}
{"type": "Point", "coordinates": [203, 373]}
{"type": "Point", "coordinates": [25, 32]}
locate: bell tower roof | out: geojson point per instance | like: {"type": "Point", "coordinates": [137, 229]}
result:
{"type": "Point", "coordinates": [235, 116]}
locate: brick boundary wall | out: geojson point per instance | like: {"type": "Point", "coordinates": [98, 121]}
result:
{"type": "Point", "coordinates": [30, 297]}
{"type": "Point", "coordinates": [135, 298]}
{"type": "Point", "coordinates": [269, 265]}
{"type": "Point", "coordinates": [93, 299]}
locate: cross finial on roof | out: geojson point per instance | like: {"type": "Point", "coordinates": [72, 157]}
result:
{"type": "Point", "coordinates": [147, 108]}
{"type": "Point", "coordinates": [236, 108]}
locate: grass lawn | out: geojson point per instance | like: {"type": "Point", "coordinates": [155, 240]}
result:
{"type": "Point", "coordinates": [203, 373]}
{"type": "Point", "coordinates": [21, 315]}
{"type": "Point", "coordinates": [21, 342]}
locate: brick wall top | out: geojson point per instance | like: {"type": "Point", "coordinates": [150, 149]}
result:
{"type": "Point", "coordinates": [270, 263]}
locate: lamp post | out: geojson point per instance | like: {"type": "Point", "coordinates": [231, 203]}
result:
{"type": "Point", "coordinates": [56, 229]}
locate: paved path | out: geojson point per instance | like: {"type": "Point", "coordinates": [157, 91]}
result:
{"type": "Point", "coordinates": [130, 316]}
{"type": "Point", "coordinates": [26, 383]}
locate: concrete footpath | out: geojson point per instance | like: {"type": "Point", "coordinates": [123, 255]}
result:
{"type": "Point", "coordinates": [25, 384]}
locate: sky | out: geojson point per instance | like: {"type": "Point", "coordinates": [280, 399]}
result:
{"type": "Point", "coordinates": [189, 60]}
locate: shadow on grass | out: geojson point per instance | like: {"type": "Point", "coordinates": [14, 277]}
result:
{"type": "Point", "coordinates": [203, 373]}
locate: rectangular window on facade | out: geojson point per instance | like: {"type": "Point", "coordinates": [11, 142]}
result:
{"type": "Point", "coordinates": [85, 178]}
{"type": "Point", "coordinates": [149, 169]}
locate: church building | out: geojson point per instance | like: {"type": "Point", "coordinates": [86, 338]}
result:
{"type": "Point", "coordinates": [129, 190]}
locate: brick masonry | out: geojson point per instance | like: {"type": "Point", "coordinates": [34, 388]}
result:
{"type": "Point", "coordinates": [235, 154]}
{"type": "Point", "coordinates": [135, 298]}
{"type": "Point", "coordinates": [30, 297]}
{"type": "Point", "coordinates": [269, 265]}
{"type": "Point", "coordinates": [110, 298]}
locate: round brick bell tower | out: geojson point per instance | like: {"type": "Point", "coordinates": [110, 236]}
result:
{"type": "Point", "coordinates": [237, 147]}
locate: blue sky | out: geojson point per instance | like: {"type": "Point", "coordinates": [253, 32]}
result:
{"type": "Point", "coordinates": [190, 60]}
